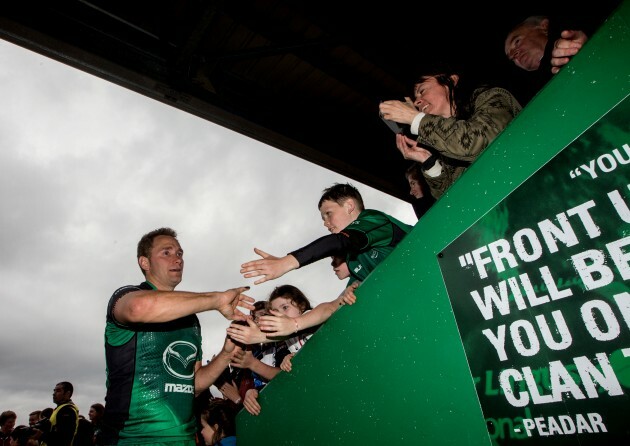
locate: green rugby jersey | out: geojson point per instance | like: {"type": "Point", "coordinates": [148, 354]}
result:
{"type": "Point", "coordinates": [383, 233]}
{"type": "Point", "coordinates": [150, 378]}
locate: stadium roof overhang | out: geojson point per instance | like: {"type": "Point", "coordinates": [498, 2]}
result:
{"type": "Point", "coordinates": [305, 78]}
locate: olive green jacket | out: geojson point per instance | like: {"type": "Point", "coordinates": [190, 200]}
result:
{"type": "Point", "coordinates": [459, 142]}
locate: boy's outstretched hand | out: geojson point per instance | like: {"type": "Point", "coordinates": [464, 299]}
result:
{"type": "Point", "coordinates": [270, 267]}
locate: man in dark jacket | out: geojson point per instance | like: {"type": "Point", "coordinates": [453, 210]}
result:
{"type": "Point", "coordinates": [61, 427]}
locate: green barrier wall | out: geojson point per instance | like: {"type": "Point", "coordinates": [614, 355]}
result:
{"type": "Point", "coordinates": [413, 363]}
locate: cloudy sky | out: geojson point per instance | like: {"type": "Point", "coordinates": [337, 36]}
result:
{"type": "Point", "coordinates": [86, 168]}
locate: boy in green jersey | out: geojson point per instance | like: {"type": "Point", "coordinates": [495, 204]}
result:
{"type": "Point", "coordinates": [364, 237]}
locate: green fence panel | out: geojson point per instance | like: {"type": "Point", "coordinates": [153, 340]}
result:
{"type": "Point", "coordinates": [504, 317]}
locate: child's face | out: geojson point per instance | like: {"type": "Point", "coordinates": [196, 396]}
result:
{"type": "Point", "coordinates": [415, 190]}
{"type": "Point", "coordinates": [340, 267]}
{"type": "Point", "coordinates": [336, 216]}
{"type": "Point", "coordinates": [208, 433]}
{"type": "Point", "coordinates": [286, 307]}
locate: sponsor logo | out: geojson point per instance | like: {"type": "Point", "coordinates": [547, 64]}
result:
{"type": "Point", "coordinates": [177, 359]}
{"type": "Point", "coordinates": [179, 388]}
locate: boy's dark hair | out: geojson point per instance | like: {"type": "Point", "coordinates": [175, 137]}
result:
{"type": "Point", "coordinates": [259, 305]}
{"type": "Point", "coordinates": [337, 260]}
{"type": "Point", "coordinates": [293, 294]}
{"type": "Point", "coordinates": [339, 193]}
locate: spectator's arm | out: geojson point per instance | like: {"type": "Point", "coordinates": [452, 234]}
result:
{"type": "Point", "coordinates": [567, 46]}
{"type": "Point", "coordinates": [248, 361]}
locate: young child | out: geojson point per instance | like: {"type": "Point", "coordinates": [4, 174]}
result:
{"type": "Point", "coordinates": [264, 356]}
{"type": "Point", "coordinates": [423, 200]}
{"type": "Point", "coordinates": [290, 302]}
{"type": "Point", "coordinates": [218, 421]}
{"type": "Point", "coordinates": [365, 237]}
{"type": "Point", "coordinates": [262, 360]}
{"type": "Point", "coordinates": [279, 324]}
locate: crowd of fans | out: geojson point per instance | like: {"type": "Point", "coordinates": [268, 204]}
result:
{"type": "Point", "coordinates": [59, 426]}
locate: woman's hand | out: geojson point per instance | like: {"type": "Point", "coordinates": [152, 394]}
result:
{"type": "Point", "coordinates": [397, 111]}
{"type": "Point", "coordinates": [410, 149]}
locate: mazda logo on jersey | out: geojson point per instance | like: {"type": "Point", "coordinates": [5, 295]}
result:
{"type": "Point", "coordinates": [177, 358]}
